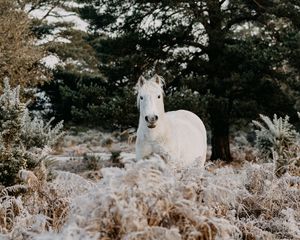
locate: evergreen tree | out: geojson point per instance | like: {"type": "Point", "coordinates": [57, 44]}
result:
{"type": "Point", "coordinates": [287, 33]}
{"type": "Point", "coordinates": [228, 51]}
{"type": "Point", "coordinates": [76, 82]}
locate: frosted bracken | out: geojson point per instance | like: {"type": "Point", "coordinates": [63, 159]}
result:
{"type": "Point", "coordinates": [150, 200]}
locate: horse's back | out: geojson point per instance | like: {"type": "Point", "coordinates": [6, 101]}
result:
{"type": "Point", "coordinates": [191, 134]}
{"type": "Point", "coordinates": [188, 118]}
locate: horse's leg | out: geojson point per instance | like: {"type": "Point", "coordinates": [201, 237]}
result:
{"type": "Point", "coordinates": [138, 152]}
{"type": "Point", "coordinates": [142, 150]}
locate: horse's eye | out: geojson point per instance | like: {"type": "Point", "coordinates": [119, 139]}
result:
{"type": "Point", "coordinates": [141, 98]}
{"type": "Point", "coordinates": [158, 96]}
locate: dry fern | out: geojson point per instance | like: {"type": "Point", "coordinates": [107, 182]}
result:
{"type": "Point", "coordinates": [147, 200]}
{"type": "Point", "coordinates": [277, 139]}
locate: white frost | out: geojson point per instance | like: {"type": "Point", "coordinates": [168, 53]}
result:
{"type": "Point", "coordinates": [51, 61]}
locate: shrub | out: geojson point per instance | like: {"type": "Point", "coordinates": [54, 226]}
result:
{"type": "Point", "coordinates": [22, 139]}
{"type": "Point", "coordinates": [37, 205]}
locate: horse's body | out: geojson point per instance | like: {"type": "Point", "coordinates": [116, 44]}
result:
{"type": "Point", "coordinates": [178, 135]}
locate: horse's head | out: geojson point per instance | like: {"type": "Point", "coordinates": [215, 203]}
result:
{"type": "Point", "coordinates": [150, 100]}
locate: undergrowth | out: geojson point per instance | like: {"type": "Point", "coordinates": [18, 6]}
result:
{"type": "Point", "coordinates": [147, 200]}
{"type": "Point", "coordinates": [150, 199]}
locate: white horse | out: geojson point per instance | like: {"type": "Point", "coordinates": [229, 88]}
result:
{"type": "Point", "coordinates": [178, 135]}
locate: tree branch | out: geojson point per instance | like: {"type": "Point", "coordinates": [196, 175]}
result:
{"type": "Point", "coordinates": [258, 4]}
{"type": "Point", "coordinates": [240, 19]}
{"type": "Point", "coordinates": [48, 13]}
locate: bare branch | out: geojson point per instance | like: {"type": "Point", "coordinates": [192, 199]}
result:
{"type": "Point", "coordinates": [48, 13]}
{"type": "Point", "coordinates": [258, 4]}
{"type": "Point", "coordinates": [62, 15]}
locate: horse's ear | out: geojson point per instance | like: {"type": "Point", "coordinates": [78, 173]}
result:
{"type": "Point", "coordinates": [158, 79]}
{"type": "Point", "coordinates": [141, 81]}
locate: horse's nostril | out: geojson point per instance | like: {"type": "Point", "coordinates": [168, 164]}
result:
{"type": "Point", "coordinates": [151, 119]}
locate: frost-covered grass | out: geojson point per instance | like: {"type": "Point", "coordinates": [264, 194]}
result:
{"type": "Point", "coordinates": [150, 199]}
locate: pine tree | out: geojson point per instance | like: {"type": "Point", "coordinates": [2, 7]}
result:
{"type": "Point", "coordinates": [228, 51]}
{"type": "Point", "coordinates": [79, 92]}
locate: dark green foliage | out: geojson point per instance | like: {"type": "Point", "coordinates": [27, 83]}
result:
{"type": "Point", "coordinates": [79, 92]}
{"type": "Point", "coordinates": [88, 99]}
{"type": "Point", "coordinates": [187, 99]}
{"type": "Point", "coordinates": [71, 90]}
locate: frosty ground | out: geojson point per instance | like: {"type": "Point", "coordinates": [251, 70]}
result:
{"type": "Point", "coordinates": [92, 188]}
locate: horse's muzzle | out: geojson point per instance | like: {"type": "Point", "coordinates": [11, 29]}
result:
{"type": "Point", "coordinates": [151, 120]}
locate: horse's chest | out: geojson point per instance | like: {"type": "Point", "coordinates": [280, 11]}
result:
{"type": "Point", "coordinates": [160, 146]}
{"type": "Point", "coordinates": [159, 142]}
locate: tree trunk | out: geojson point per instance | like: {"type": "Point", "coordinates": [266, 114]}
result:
{"type": "Point", "coordinates": [219, 118]}
{"type": "Point", "coordinates": [220, 146]}
{"type": "Point", "coordinates": [218, 105]}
